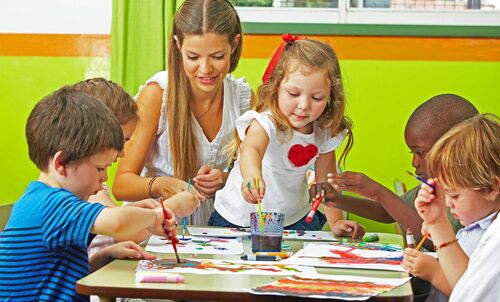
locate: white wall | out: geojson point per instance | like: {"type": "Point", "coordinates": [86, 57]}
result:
{"type": "Point", "coordinates": [56, 16]}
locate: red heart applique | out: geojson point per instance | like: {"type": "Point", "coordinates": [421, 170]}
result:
{"type": "Point", "coordinates": [300, 155]}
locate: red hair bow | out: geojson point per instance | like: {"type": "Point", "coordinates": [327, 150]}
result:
{"type": "Point", "coordinates": [277, 53]}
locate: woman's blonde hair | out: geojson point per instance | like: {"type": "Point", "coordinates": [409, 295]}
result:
{"type": "Point", "coordinates": [313, 55]}
{"type": "Point", "coordinates": [194, 17]}
{"type": "Point", "coordinates": [468, 155]}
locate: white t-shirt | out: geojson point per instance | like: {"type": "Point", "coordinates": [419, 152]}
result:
{"type": "Point", "coordinates": [237, 94]}
{"type": "Point", "coordinates": [481, 280]}
{"type": "Point", "coordinates": [286, 185]}
{"type": "Point", "coordinates": [468, 238]}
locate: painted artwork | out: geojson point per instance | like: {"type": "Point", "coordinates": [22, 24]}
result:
{"type": "Point", "coordinates": [219, 232]}
{"type": "Point", "coordinates": [308, 235]}
{"type": "Point", "coordinates": [350, 255]}
{"type": "Point", "coordinates": [351, 288]}
{"type": "Point", "coordinates": [196, 245]}
{"type": "Point", "coordinates": [213, 266]}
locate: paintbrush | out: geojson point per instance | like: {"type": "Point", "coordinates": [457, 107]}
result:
{"type": "Point", "coordinates": [172, 239]}
{"type": "Point", "coordinates": [314, 207]}
{"type": "Point", "coordinates": [184, 220]}
{"type": "Point", "coordinates": [422, 241]}
{"type": "Point", "coordinates": [259, 207]}
{"type": "Point", "coordinates": [420, 179]}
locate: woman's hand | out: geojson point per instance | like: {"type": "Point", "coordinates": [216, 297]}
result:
{"type": "Point", "coordinates": [149, 203]}
{"type": "Point", "coordinates": [182, 204]}
{"type": "Point", "coordinates": [208, 180]}
{"type": "Point", "coordinates": [169, 186]}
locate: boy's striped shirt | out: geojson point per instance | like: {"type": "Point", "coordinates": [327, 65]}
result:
{"type": "Point", "coordinates": [43, 248]}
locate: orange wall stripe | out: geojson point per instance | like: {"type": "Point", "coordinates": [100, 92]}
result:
{"type": "Point", "coordinates": [262, 46]}
{"type": "Point", "coordinates": [55, 45]}
{"type": "Point", "coordinates": [389, 48]}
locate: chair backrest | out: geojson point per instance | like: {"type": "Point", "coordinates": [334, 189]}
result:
{"type": "Point", "coordinates": [4, 214]}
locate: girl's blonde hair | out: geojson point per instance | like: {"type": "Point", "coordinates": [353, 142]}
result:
{"type": "Point", "coordinates": [313, 55]}
{"type": "Point", "coordinates": [194, 17]}
{"type": "Point", "coordinates": [468, 155]}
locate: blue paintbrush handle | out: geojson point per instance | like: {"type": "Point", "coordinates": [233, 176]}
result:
{"type": "Point", "coordinates": [422, 180]}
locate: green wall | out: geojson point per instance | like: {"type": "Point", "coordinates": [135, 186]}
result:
{"type": "Point", "coordinates": [23, 82]}
{"type": "Point", "coordinates": [380, 97]}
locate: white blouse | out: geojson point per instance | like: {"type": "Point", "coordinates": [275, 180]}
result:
{"type": "Point", "coordinates": [286, 185]}
{"type": "Point", "coordinates": [237, 94]}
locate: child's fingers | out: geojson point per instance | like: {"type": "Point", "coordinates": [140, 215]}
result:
{"type": "Point", "coordinates": [359, 231]}
{"type": "Point", "coordinates": [256, 195]}
{"type": "Point", "coordinates": [355, 229]}
{"type": "Point", "coordinates": [173, 234]}
{"type": "Point", "coordinates": [138, 252]}
{"type": "Point", "coordinates": [409, 252]}
{"type": "Point", "coordinates": [169, 223]}
{"type": "Point", "coordinates": [336, 175]}
{"type": "Point", "coordinates": [345, 227]}
{"type": "Point", "coordinates": [408, 262]}
{"type": "Point", "coordinates": [262, 188]}
{"type": "Point", "coordinates": [147, 256]}
{"type": "Point", "coordinates": [408, 267]}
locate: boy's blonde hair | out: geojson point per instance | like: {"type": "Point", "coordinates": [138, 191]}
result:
{"type": "Point", "coordinates": [194, 17]}
{"type": "Point", "coordinates": [468, 155]}
{"type": "Point", "coordinates": [313, 55]}
{"type": "Point", "coordinates": [73, 122]}
{"type": "Point", "coordinates": [113, 95]}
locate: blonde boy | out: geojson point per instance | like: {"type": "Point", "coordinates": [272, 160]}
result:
{"type": "Point", "coordinates": [466, 165]}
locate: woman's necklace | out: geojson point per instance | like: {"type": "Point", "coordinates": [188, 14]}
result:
{"type": "Point", "coordinates": [199, 117]}
{"type": "Point", "coordinates": [210, 105]}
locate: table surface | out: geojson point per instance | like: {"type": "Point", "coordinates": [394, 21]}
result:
{"type": "Point", "coordinates": [117, 279]}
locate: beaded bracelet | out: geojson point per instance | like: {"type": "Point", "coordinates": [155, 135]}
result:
{"type": "Point", "coordinates": [150, 185]}
{"type": "Point", "coordinates": [444, 244]}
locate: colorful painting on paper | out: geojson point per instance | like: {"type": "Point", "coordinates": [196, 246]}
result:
{"type": "Point", "coordinates": [212, 266]}
{"type": "Point", "coordinates": [349, 256]}
{"type": "Point", "coordinates": [308, 235]}
{"type": "Point", "coordinates": [372, 246]}
{"type": "Point", "coordinates": [219, 232]}
{"type": "Point", "coordinates": [197, 245]}
{"type": "Point", "coordinates": [352, 288]}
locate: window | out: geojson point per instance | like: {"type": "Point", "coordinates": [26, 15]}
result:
{"type": "Point", "coordinates": [401, 12]}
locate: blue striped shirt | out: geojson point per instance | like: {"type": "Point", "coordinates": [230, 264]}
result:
{"type": "Point", "coordinates": [43, 248]}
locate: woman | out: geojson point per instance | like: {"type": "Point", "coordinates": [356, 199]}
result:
{"type": "Point", "coordinates": [187, 114]}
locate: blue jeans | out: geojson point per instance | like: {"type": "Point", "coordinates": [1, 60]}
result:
{"type": "Point", "coordinates": [315, 225]}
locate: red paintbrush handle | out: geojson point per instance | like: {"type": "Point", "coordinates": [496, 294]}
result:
{"type": "Point", "coordinates": [317, 203]}
{"type": "Point", "coordinates": [314, 209]}
{"type": "Point", "coordinates": [163, 208]}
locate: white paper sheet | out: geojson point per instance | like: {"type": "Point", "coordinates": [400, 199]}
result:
{"type": "Point", "coordinates": [197, 245]}
{"type": "Point", "coordinates": [219, 232]}
{"type": "Point", "coordinates": [308, 235]}
{"type": "Point", "coordinates": [368, 256]}
{"type": "Point", "coordinates": [343, 287]}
